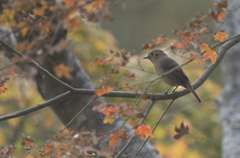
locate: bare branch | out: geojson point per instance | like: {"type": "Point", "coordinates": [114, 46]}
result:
{"type": "Point", "coordinates": [122, 94]}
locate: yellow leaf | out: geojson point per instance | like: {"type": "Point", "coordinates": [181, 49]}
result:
{"type": "Point", "coordinates": [220, 36]}
{"type": "Point", "coordinates": [62, 71]}
{"type": "Point", "coordinates": [109, 119]}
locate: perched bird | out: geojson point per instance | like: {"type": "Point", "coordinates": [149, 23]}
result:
{"type": "Point", "coordinates": [163, 63]}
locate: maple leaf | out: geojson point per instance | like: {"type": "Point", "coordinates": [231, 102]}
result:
{"type": "Point", "coordinates": [183, 130]}
{"type": "Point", "coordinates": [109, 119]}
{"type": "Point", "coordinates": [220, 36]}
{"type": "Point", "coordinates": [109, 110]}
{"type": "Point", "coordinates": [143, 131]}
{"type": "Point", "coordinates": [221, 16]}
{"type": "Point", "coordinates": [209, 53]}
{"type": "Point", "coordinates": [113, 141]}
{"type": "Point", "coordinates": [98, 62]}
{"type": "Point", "coordinates": [100, 92]}
{"type": "Point", "coordinates": [62, 71]}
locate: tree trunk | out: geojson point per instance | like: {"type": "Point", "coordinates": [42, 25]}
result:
{"type": "Point", "coordinates": [229, 108]}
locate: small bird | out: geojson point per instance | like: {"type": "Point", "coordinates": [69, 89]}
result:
{"type": "Point", "coordinates": [163, 63]}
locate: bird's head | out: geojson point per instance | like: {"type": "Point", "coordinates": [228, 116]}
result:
{"type": "Point", "coordinates": [155, 55]}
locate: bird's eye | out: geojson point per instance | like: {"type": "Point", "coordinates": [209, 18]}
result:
{"type": "Point", "coordinates": [151, 53]}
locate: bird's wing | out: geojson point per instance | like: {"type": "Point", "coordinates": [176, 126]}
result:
{"type": "Point", "coordinates": [178, 75]}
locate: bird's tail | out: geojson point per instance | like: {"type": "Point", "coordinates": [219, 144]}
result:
{"type": "Point", "coordinates": [189, 87]}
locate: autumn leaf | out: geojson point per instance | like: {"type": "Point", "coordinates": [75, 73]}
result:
{"type": "Point", "coordinates": [100, 92]}
{"type": "Point", "coordinates": [120, 134]}
{"type": "Point", "coordinates": [209, 53]}
{"type": "Point", "coordinates": [109, 110]}
{"type": "Point", "coordinates": [147, 46]}
{"type": "Point", "coordinates": [109, 119]}
{"type": "Point", "coordinates": [185, 41]}
{"type": "Point", "coordinates": [143, 131]}
{"type": "Point", "coordinates": [220, 36]}
{"type": "Point", "coordinates": [221, 16]}
{"type": "Point", "coordinates": [183, 130]}
{"type": "Point", "coordinates": [13, 74]}
{"type": "Point", "coordinates": [62, 71]}
{"type": "Point", "coordinates": [98, 62]}
{"type": "Point", "coordinates": [160, 39]}
{"type": "Point", "coordinates": [26, 140]}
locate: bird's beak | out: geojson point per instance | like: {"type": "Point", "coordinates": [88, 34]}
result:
{"type": "Point", "coordinates": [145, 58]}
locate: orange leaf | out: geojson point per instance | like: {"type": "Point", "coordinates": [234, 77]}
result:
{"type": "Point", "coordinates": [109, 110]}
{"type": "Point", "coordinates": [100, 92]}
{"type": "Point", "coordinates": [45, 25]}
{"type": "Point", "coordinates": [13, 74]}
{"type": "Point", "coordinates": [98, 62]}
{"type": "Point", "coordinates": [109, 119]}
{"type": "Point", "coordinates": [209, 52]}
{"type": "Point", "coordinates": [160, 39]}
{"type": "Point", "coordinates": [185, 41]}
{"type": "Point", "coordinates": [113, 141]}
{"type": "Point", "coordinates": [3, 89]}
{"type": "Point", "coordinates": [143, 131]}
{"type": "Point", "coordinates": [221, 16]}
{"type": "Point", "coordinates": [62, 71]}
{"type": "Point", "coordinates": [220, 36]}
